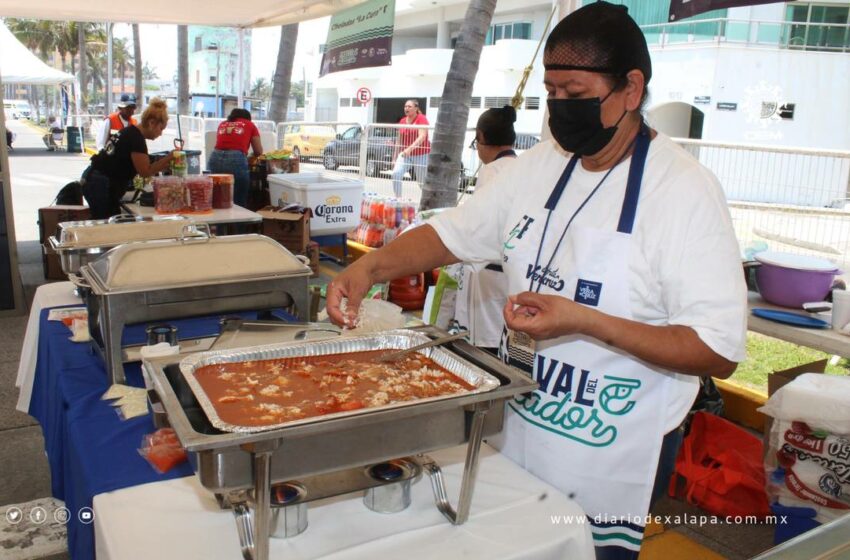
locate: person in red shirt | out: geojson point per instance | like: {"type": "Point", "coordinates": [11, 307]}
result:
{"type": "Point", "coordinates": [413, 146]}
{"type": "Point", "coordinates": [234, 137]}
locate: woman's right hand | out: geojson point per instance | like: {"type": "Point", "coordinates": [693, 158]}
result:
{"type": "Point", "coordinates": [352, 283]}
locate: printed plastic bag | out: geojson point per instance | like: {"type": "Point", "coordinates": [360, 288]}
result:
{"type": "Point", "coordinates": [808, 455]}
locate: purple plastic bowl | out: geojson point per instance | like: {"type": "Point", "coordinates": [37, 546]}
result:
{"type": "Point", "coordinates": [791, 287]}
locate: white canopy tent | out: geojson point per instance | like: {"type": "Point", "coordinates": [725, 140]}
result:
{"type": "Point", "coordinates": [20, 66]}
{"type": "Point", "coordinates": [259, 13]}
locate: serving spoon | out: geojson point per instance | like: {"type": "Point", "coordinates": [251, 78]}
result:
{"type": "Point", "coordinates": [396, 355]}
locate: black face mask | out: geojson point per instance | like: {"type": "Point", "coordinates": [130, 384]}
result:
{"type": "Point", "coordinates": [576, 124]}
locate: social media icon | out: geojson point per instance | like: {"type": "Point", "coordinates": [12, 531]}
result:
{"type": "Point", "coordinates": [62, 515]}
{"type": "Point", "coordinates": [85, 515]}
{"type": "Point", "coordinates": [38, 515]}
{"type": "Point", "coordinates": [14, 515]}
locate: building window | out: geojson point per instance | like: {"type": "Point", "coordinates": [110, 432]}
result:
{"type": "Point", "coordinates": [532, 103]}
{"type": "Point", "coordinates": [198, 44]}
{"type": "Point", "coordinates": [496, 102]}
{"type": "Point", "coordinates": [475, 103]}
{"type": "Point", "coordinates": [345, 102]}
{"type": "Point", "coordinates": [434, 102]}
{"type": "Point", "coordinates": [817, 27]}
{"type": "Point", "coordinates": [513, 30]}
{"type": "Point", "coordinates": [309, 89]}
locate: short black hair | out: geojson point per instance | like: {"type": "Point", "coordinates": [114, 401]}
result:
{"type": "Point", "coordinates": [239, 113]}
{"type": "Point", "coordinates": [497, 126]}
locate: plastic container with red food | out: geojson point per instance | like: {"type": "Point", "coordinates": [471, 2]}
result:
{"type": "Point", "coordinates": [169, 195]}
{"type": "Point", "coordinates": [199, 190]}
{"type": "Point", "coordinates": [222, 190]}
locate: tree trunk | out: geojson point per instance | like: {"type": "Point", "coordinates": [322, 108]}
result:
{"type": "Point", "coordinates": [183, 71]}
{"type": "Point", "coordinates": [283, 73]}
{"type": "Point", "coordinates": [440, 188]}
{"type": "Point", "coordinates": [137, 66]}
{"type": "Point", "coordinates": [81, 50]}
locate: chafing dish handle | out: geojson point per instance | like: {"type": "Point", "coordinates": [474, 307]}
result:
{"type": "Point", "coordinates": [124, 218]}
{"type": "Point", "coordinates": [243, 516]}
{"type": "Point", "coordinates": [470, 471]}
{"type": "Point", "coordinates": [200, 227]}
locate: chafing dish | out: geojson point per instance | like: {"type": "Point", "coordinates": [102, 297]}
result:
{"type": "Point", "coordinates": [243, 465]}
{"type": "Point", "coordinates": [81, 242]}
{"type": "Point", "coordinates": [157, 280]}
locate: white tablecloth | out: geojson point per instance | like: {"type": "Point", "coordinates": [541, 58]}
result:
{"type": "Point", "coordinates": [511, 518]}
{"type": "Point", "coordinates": [46, 296]}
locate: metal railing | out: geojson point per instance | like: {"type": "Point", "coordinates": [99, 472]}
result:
{"type": "Point", "coordinates": [793, 199]}
{"type": "Point", "coordinates": [778, 34]}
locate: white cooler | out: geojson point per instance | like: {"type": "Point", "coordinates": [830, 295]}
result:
{"type": "Point", "coordinates": [335, 201]}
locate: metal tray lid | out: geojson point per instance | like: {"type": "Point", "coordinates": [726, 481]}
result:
{"type": "Point", "coordinates": [109, 233]}
{"type": "Point", "coordinates": [189, 262]}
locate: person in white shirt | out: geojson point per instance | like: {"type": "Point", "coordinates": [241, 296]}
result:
{"type": "Point", "coordinates": [483, 287]}
{"type": "Point", "coordinates": [625, 277]}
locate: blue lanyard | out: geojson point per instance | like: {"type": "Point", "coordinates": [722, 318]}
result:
{"type": "Point", "coordinates": [627, 215]}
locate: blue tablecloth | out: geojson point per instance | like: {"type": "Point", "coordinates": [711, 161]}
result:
{"type": "Point", "coordinates": [89, 448]}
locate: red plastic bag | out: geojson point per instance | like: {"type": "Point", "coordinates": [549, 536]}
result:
{"type": "Point", "coordinates": [719, 469]}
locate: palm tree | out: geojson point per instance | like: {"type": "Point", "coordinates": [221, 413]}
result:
{"type": "Point", "coordinates": [121, 59]}
{"type": "Point", "coordinates": [183, 71]}
{"type": "Point", "coordinates": [137, 64]}
{"type": "Point", "coordinates": [283, 72]}
{"type": "Point", "coordinates": [440, 188]}
{"type": "Point", "coordinates": [81, 50]}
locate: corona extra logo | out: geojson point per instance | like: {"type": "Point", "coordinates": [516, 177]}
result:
{"type": "Point", "coordinates": [333, 200]}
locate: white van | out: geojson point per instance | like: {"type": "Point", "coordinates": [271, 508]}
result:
{"type": "Point", "coordinates": [17, 108]}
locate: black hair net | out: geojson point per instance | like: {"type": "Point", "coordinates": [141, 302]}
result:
{"type": "Point", "coordinates": [599, 37]}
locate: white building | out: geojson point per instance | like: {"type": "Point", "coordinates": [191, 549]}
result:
{"type": "Point", "coordinates": [776, 74]}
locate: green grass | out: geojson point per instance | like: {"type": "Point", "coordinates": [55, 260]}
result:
{"type": "Point", "coordinates": [765, 355]}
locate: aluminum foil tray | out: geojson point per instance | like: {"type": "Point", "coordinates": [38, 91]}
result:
{"type": "Point", "coordinates": [388, 340]}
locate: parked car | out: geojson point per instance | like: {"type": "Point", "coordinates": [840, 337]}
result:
{"type": "Point", "coordinates": [467, 181]}
{"type": "Point", "coordinates": [345, 150]}
{"type": "Point", "coordinates": [307, 141]}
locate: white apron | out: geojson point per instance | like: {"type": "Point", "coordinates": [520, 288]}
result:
{"type": "Point", "coordinates": [594, 428]}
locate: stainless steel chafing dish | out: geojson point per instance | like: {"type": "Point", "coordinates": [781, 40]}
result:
{"type": "Point", "coordinates": [328, 452]}
{"type": "Point", "coordinates": [81, 242]}
{"type": "Point", "coordinates": [156, 280]}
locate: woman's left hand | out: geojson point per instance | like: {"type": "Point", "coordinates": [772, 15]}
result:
{"type": "Point", "coordinates": [544, 316]}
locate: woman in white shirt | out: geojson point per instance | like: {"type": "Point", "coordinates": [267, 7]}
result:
{"type": "Point", "coordinates": [625, 277]}
{"type": "Point", "coordinates": [483, 287]}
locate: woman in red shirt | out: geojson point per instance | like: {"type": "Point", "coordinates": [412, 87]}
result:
{"type": "Point", "coordinates": [413, 146]}
{"type": "Point", "coordinates": [230, 155]}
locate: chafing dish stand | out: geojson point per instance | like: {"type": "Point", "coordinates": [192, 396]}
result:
{"type": "Point", "coordinates": [230, 463]}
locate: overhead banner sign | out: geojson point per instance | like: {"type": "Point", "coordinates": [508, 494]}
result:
{"type": "Point", "coordinates": [681, 9]}
{"type": "Point", "coordinates": [360, 37]}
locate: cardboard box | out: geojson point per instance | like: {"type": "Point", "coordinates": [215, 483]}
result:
{"type": "Point", "coordinates": [290, 229]}
{"type": "Point", "coordinates": [51, 264]}
{"type": "Point", "coordinates": [779, 379]}
{"type": "Point", "coordinates": [51, 216]}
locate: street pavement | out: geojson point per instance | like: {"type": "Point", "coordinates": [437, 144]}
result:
{"type": "Point", "coordinates": [36, 175]}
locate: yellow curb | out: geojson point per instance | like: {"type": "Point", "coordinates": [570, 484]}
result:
{"type": "Point", "coordinates": [660, 547]}
{"type": "Point", "coordinates": [740, 404]}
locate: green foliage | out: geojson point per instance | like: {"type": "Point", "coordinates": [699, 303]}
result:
{"type": "Point", "coordinates": [766, 355]}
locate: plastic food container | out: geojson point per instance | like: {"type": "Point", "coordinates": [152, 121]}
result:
{"type": "Point", "coordinates": [222, 190]}
{"type": "Point", "coordinates": [791, 280]}
{"type": "Point", "coordinates": [169, 195]}
{"type": "Point", "coordinates": [199, 189]}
